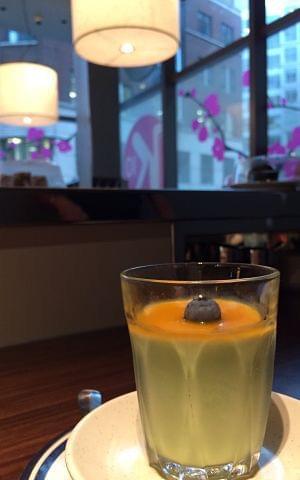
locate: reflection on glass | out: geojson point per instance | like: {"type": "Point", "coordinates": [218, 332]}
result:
{"type": "Point", "coordinates": [283, 98]}
{"type": "Point", "coordinates": [209, 26]}
{"type": "Point", "coordinates": [56, 53]}
{"type": "Point", "coordinates": [141, 143]}
{"type": "Point", "coordinates": [134, 81]}
{"type": "Point", "coordinates": [278, 8]}
{"type": "Point", "coordinates": [48, 152]}
{"type": "Point", "coordinates": [12, 38]}
{"type": "Point", "coordinates": [213, 124]}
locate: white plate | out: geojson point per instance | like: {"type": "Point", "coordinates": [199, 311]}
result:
{"type": "Point", "coordinates": [49, 463]}
{"type": "Point", "coordinates": [107, 444]}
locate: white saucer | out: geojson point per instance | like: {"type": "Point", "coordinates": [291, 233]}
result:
{"type": "Point", "coordinates": [107, 444]}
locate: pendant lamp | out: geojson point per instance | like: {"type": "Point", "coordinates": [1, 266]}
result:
{"type": "Point", "coordinates": [28, 94]}
{"type": "Point", "coordinates": [125, 33]}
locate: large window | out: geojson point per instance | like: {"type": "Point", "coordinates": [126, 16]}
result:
{"type": "Point", "coordinates": [141, 143]}
{"type": "Point", "coordinates": [212, 124]}
{"type": "Point", "coordinates": [212, 82]}
{"type": "Point", "coordinates": [283, 98]}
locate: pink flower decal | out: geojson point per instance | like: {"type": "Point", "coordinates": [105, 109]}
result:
{"type": "Point", "coordinates": [270, 105]}
{"type": "Point", "coordinates": [294, 141]}
{"type": "Point", "coordinates": [181, 92]}
{"type": "Point", "coordinates": [283, 102]}
{"type": "Point", "coordinates": [203, 134]}
{"type": "Point", "coordinates": [64, 146]}
{"type": "Point", "coordinates": [276, 149]}
{"type": "Point", "coordinates": [41, 154]}
{"type": "Point", "coordinates": [246, 78]}
{"type": "Point", "coordinates": [35, 134]}
{"type": "Point", "coordinates": [35, 155]}
{"type": "Point", "coordinates": [193, 93]}
{"type": "Point", "coordinates": [2, 155]}
{"type": "Point", "coordinates": [195, 125]}
{"type": "Point", "coordinates": [211, 103]}
{"type": "Point", "coordinates": [218, 149]}
{"type": "Point", "coordinates": [45, 152]}
{"type": "Point", "coordinates": [291, 168]}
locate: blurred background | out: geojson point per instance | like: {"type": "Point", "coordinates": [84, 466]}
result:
{"type": "Point", "coordinates": [101, 109]}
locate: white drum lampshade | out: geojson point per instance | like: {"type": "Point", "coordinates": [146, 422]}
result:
{"type": "Point", "coordinates": [28, 94]}
{"type": "Point", "coordinates": [125, 33]}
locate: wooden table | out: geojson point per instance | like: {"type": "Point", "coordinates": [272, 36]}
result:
{"type": "Point", "coordinates": [39, 384]}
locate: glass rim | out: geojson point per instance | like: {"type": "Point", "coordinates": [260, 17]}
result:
{"type": "Point", "coordinates": [270, 273]}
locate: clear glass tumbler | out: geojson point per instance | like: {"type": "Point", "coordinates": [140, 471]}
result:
{"type": "Point", "coordinates": [203, 341]}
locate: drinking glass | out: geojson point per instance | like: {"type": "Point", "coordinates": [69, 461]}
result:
{"type": "Point", "coordinates": [203, 340]}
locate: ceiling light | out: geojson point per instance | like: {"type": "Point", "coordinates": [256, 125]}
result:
{"type": "Point", "coordinates": [125, 34]}
{"type": "Point", "coordinates": [72, 94]}
{"type": "Point", "coordinates": [127, 48]}
{"type": "Point", "coordinates": [28, 94]}
{"type": "Point", "coordinates": [27, 120]}
{"type": "Point", "coordinates": [16, 140]}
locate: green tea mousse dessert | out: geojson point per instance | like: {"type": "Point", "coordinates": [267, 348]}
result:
{"type": "Point", "coordinates": [202, 367]}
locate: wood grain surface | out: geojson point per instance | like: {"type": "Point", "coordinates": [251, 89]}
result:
{"type": "Point", "coordinates": [39, 383]}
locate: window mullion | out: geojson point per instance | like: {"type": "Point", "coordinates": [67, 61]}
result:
{"type": "Point", "coordinates": [258, 79]}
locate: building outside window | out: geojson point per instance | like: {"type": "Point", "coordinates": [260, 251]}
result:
{"type": "Point", "coordinates": [291, 76]}
{"type": "Point", "coordinates": [204, 23]}
{"type": "Point", "coordinates": [228, 79]}
{"type": "Point", "coordinates": [206, 77]}
{"type": "Point", "coordinates": [291, 54]}
{"type": "Point", "coordinates": [227, 34]}
{"type": "Point", "coordinates": [274, 61]}
{"type": "Point", "coordinates": [206, 170]}
{"type": "Point", "coordinates": [228, 169]}
{"type": "Point", "coordinates": [229, 102]}
{"type": "Point", "coordinates": [273, 42]}
{"type": "Point", "coordinates": [283, 117]}
{"type": "Point", "coordinates": [274, 81]}
{"type": "Point", "coordinates": [290, 34]}
{"type": "Point", "coordinates": [291, 96]}
{"type": "Point", "coordinates": [184, 167]}
{"type": "Point", "coordinates": [222, 85]}
{"type": "Point", "coordinates": [216, 25]}
{"type": "Point", "coordinates": [275, 99]}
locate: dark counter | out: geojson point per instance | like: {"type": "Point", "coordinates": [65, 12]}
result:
{"type": "Point", "coordinates": [270, 210]}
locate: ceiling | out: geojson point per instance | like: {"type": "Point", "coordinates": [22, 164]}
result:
{"type": "Point", "coordinates": [55, 18]}
{"type": "Point", "coordinates": [49, 22]}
